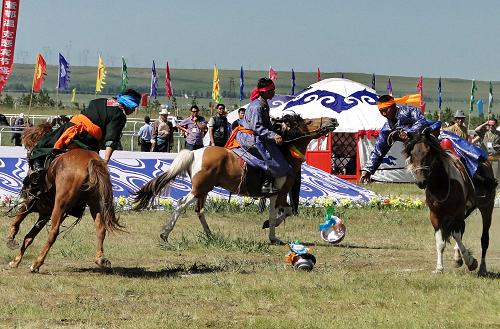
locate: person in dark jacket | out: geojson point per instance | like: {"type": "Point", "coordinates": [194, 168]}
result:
{"type": "Point", "coordinates": [100, 124]}
{"type": "Point", "coordinates": [218, 127]}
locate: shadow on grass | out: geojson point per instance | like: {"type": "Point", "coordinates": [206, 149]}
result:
{"type": "Point", "coordinates": [356, 246]}
{"type": "Point", "coordinates": [491, 275]}
{"type": "Point", "coordinates": [140, 272]}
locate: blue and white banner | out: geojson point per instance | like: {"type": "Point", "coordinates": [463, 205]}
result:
{"type": "Point", "coordinates": [131, 170]}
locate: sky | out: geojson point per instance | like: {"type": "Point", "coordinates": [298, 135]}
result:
{"type": "Point", "coordinates": [448, 38]}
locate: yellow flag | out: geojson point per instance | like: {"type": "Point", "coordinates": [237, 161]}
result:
{"type": "Point", "coordinates": [73, 95]}
{"type": "Point", "coordinates": [101, 75]}
{"type": "Point", "coordinates": [216, 86]}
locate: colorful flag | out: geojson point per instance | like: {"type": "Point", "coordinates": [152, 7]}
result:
{"type": "Point", "coordinates": [473, 89]}
{"type": "Point", "coordinates": [124, 75]}
{"type": "Point", "coordinates": [440, 94]}
{"type": "Point", "coordinates": [490, 99]}
{"type": "Point", "coordinates": [144, 99]}
{"type": "Point", "coordinates": [273, 75]}
{"type": "Point", "coordinates": [242, 84]}
{"type": "Point", "coordinates": [319, 75]}
{"type": "Point", "coordinates": [168, 82]}
{"type": "Point", "coordinates": [389, 86]}
{"type": "Point", "coordinates": [73, 95]}
{"type": "Point", "coordinates": [8, 28]}
{"type": "Point", "coordinates": [480, 107]}
{"type": "Point", "coordinates": [101, 75]}
{"type": "Point", "coordinates": [62, 81]}
{"type": "Point", "coordinates": [40, 73]}
{"type": "Point", "coordinates": [154, 82]}
{"type": "Point", "coordinates": [216, 86]}
{"type": "Point", "coordinates": [293, 83]}
{"type": "Point", "coordinates": [420, 88]}
{"type": "Point", "coordinates": [373, 81]}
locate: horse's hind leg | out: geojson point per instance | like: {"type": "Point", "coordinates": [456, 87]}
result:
{"type": "Point", "coordinates": [169, 226]}
{"type": "Point", "coordinates": [28, 239]}
{"type": "Point", "coordinates": [100, 230]}
{"type": "Point", "coordinates": [486, 214]}
{"type": "Point", "coordinates": [14, 226]}
{"type": "Point", "coordinates": [200, 211]}
{"type": "Point", "coordinates": [55, 221]}
{"type": "Point", "coordinates": [457, 257]}
{"type": "Point", "coordinates": [469, 260]}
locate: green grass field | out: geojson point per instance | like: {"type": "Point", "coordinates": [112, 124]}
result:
{"type": "Point", "coordinates": [379, 276]}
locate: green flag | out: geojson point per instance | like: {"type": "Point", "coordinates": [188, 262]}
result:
{"type": "Point", "coordinates": [472, 99]}
{"type": "Point", "coordinates": [124, 75]}
{"type": "Point", "coordinates": [490, 100]}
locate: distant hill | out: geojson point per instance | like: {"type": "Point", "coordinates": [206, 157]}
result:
{"type": "Point", "coordinates": [198, 83]}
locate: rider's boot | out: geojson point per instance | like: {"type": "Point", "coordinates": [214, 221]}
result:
{"type": "Point", "coordinates": [36, 176]}
{"type": "Point", "coordinates": [268, 186]}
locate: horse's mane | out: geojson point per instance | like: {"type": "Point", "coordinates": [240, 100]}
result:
{"type": "Point", "coordinates": [429, 140]}
{"type": "Point", "coordinates": [33, 134]}
{"type": "Point", "coordinates": [294, 121]}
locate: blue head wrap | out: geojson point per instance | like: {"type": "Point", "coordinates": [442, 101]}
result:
{"type": "Point", "coordinates": [128, 101]}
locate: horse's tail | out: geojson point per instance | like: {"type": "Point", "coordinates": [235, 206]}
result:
{"type": "Point", "coordinates": [100, 181]}
{"type": "Point", "coordinates": [181, 163]}
{"type": "Point", "coordinates": [32, 135]}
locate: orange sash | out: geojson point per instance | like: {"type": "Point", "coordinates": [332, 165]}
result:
{"type": "Point", "coordinates": [232, 142]}
{"type": "Point", "coordinates": [81, 123]}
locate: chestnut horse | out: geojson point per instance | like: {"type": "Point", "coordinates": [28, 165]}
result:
{"type": "Point", "coordinates": [74, 179]}
{"type": "Point", "coordinates": [451, 196]}
{"type": "Point", "coordinates": [218, 166]}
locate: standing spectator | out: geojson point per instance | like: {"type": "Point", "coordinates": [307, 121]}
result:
{"type": "Point", "coordinates": [162, 134]}
{"type": "Point", "coordinates": [17, 130]}
{"type": "Point", "coordinates": [145, 135]}
{"type": "Point", "coordinates": [237, 122]}
{"type": "Point", "coordinates": [459, 128]}
{"type": "Point", "coordinates": [488, 136]}
{"type": "Point", "coordinates": [218, 128]}
{"type": "Point", "coordinates": [194, 128]}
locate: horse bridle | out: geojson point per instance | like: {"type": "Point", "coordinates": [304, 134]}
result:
{"type": "Point", "coordinates": [320, 131]}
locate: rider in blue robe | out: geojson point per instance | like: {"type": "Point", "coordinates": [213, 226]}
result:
{"type": "Point", "coordinates": [263, 142]}
{"type": "Point", "coordinates": [403, 120]}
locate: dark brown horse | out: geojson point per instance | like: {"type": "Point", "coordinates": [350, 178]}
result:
{"type": "Point", "coordinates": [218, 166]}
{"type": "Point", "coordinates": [74, 179]}
{"type": "Point", "coordinates": [451, 196]}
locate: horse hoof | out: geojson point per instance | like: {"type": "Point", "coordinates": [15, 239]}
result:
{"type": "Point", "coordinates": [164, 236]}
{"type": "Point", "coordinates": [438, 271]}
{"type": "Point", "coordinates": [12, 244]}
{"type": "Point", "coordinates": [103, 263]}
{"type": "Point", "coordinates": [34, 269]}
{"type": "Point", "coordinates": [265, 224]}
{"type": "Point", "coordinates": [458, 263]}
{"type": "Point", "coordinates": [276, 242]}
{"type": "Point", "coordinates": [472, 266]}
{"type": "Point", "coordinates": [13, 264]}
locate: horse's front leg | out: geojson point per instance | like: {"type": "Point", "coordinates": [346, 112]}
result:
{"type": "Point", "coordinates": [15, 224]}
{"type": "Point", "coordinates": [486, 214]}
{"type": "Point", "coordinates": [457, 257]}
{"type": "Point", "coordinates": [440, 244]}
{"type": "Point", "coordinates": [273, 214]}
{"type": "Point", "coordinates": [169, 225]}
{"type": "Point", "coordinates": [28, 239]}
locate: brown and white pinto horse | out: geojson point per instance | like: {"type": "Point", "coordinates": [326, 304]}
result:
{"type": "Point", "coordinates": [218, 166]}
{"type": "Point", "coordinates": [75, 179]}
{"type": "Point", "coordinates": [451, 196]}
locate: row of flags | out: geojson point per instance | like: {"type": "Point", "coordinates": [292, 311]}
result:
{"type": "Point", "coordinates": [64, 79]}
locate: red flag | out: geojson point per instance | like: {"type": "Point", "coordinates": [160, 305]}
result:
{"type": "Point", "coordinates": [319, 74]}
{"type": "Point", "coordinates": [10, 11]}
{"type": "Point", "coordinates": [168, 82]}
{"type": "Point", "coordinates": [273, 75]}
{"type": "Point", "coordinates": [420, 87]}
{"type": "Point", "coordinates": [40, 72]}
{"type": "Point", "coordinates": [144, 99]}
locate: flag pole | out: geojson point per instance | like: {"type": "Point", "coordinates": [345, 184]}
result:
{"type": "Point", "coordinates": [31, 95]}
{"type": "Point", "coordinates": [57, 87]}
